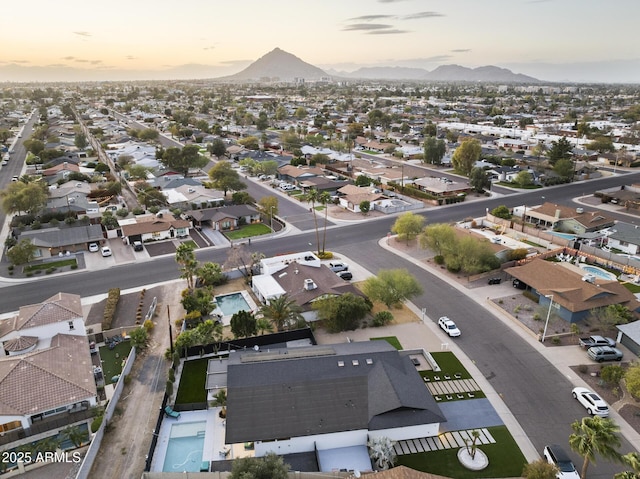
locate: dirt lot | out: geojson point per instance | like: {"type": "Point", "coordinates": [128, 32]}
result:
{"type": "Point", "coordinates": [125, 445]}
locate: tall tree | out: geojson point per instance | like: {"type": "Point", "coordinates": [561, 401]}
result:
{"type": "Point", "coordinates": [21, 197]}
{"type": "Point", "coordinates": [243, 324]}
{"type": "Point", "coordinates": [217, 148]}
{"type": "Point", "coordinates": [560, 150]}
{"type": "Point", "coordinates": [466, 155]}
{"type": "Point", "coordinates": [438, 237]}
{"type": "Point", "coordinates": [434, 150]}
{"type": "Point", "coordinates": [479, 180]}
{"type": "Point", "coordinates": [183, 159]}
{"type": "Point", "coordinates": [595, 436]}
{"type": "Point", "coordinates": [186, 258]}
{"type": "Point", "coordinates": [341, 313]}
{"type": "Point", "coordinates": [392, 287]}
{"type": "Point", "coordinates": [408, 225]}
{"type": "Point", "coordinates": [22, 253]}
{"type": "Point", "coordinates": [225, 178]}
{"type": "Point", "coordinates": [283, 312]}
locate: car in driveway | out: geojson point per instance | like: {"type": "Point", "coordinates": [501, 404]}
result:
{"type": "Point", "coordinates": [336, 266]}
{"type": "Point", "coordinates": [137, 246]}
{"type": "Point", "coordinates": [557, 456]}
{"type": "Point", "coordinates": [105, 251]}
{"type": "Point", "coordinates": [604, 353]}
{"type": "Point", "coordinates": [495, 280]}
{"type": "Point", "coordinates": [346, 275]}
{"type": "Point", "coordinates": [449, 327]}
{"type": "Point", "coordinates": [94, 247]}
{"type": "Point", "coordinates": [592, 402]}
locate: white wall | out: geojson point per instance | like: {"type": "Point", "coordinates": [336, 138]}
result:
{"type": "Point", "coordinates": [308, 443]}
{"type": "Point", "coordinates": [410, 432]}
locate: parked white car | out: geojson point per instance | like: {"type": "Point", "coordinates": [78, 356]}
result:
{"type": "Point", "coordinates": [105, 251]}
{"type": "Point", "coordinates": [594, 404]}
{"type": "Point", "coordinates": [449, 327]}
{"type": "Point", "coordinates": [94, 247]}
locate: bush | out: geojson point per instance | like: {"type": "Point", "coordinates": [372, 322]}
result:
{"type": "Point", "coordinates": [148, 325]}
{"type": "Point", "coordinates": [110, 308]}
{"type": "Point", "coordinates": [439, 259]}
{"type": "Point", "coordinates": [172, 375]}
{"type": "Point", "coordinates": [95, 424]}
{"type": "Point", "coordinates": [169, 388]}
{"type": "Point", "coordinates": [382, 318]}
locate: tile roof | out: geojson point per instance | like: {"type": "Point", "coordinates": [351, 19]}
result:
{"type": "Point", "coordinates": [47, 378]}
{"type": "Point", "coordinates": [60, 307]}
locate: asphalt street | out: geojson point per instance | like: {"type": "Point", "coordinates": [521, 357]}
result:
{"type": "Point", "coordinates": [530, 385]}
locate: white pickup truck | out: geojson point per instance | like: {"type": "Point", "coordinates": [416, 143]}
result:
{"type": "Point", "coordinates": [596, 340]}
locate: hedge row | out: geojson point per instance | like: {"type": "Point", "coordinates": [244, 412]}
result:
{"type": "Point", "coordinates": [110, 308]}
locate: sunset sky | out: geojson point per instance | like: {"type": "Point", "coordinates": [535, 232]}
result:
{"type": "Point", "coordinates": [575, 40]}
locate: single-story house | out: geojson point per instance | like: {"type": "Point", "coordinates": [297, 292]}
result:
{"type": "Point", "coordinates": [303, 283]}
{"type": "Point", "coordinates": [573, 296]}
{"type": "Point", "coordinates": [625, 237]}
{"type": "Point", "coordinates": [158, 227]}
{"type": "Point", "coordinates": [60, 239]}
{"type": "Point", "coordinates": [566, 219]}
{"type": "Point", "coordinates": [296, 174]}
{"type": "Point", "coordinates": [358, 391]}
{"type": "Point", "coordinates": [441, 186]}
{"type": "Point", "coordinates": [225, 217]}
{"type": "Point", "coordinates": [350, 196]}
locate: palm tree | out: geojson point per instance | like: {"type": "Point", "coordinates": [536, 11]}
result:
{"type": "Point", "coordinates": [263, 325]}
{"type": "Point", "coordinates": [76, 435]}
{"type": "Point", "coordinates": [595, 435]}
{"type": "Point", "coordinates": [633, 461]}
{"type": "Point", "coordinates": [313, 197]}
{"type": "Point", "coordinates": [283, 312]}
{"type": "Point", "coordinates": [325, 199]}
{"type": "Point", "coordinates": [187, 259]}
{"type": "Point", "coordinates": [220, 400]}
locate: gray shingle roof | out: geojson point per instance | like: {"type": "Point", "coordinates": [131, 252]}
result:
{"type": "Point", "coordinates": [308, 392]}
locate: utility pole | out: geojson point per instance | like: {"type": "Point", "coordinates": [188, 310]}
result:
{"type": "Point", "coordinates": [170, 333]}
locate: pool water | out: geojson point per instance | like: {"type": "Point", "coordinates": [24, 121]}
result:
{"type": "Point", "coordinates": [566, 236]}
{"type": "Point", "coordinates": [230, 304]}
{"type": "Point", "coordinates": [599, 272]}
{"type": "Point", "coordinates": [184, 449]}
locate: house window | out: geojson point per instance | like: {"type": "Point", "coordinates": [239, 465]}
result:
{"type": "Point", "coordinates": [155, 235]}
{"type": "Point", "coordinates": [10, 426]}
{"type": "Point", "coordinates": [71, 327]}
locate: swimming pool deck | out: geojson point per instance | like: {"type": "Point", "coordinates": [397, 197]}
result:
{"type": "Point", "coordinates": [226, 318]}
{"type": "Point", "coordinates": [214, 448]}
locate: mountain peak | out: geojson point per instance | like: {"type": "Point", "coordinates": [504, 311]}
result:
{"type": "Point", "coordinates": [279, 65]}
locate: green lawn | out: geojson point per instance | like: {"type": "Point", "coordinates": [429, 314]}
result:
{"type": "Point", "coordinates": [505, 459]}
{"type": "Point", "coordinates": [192, 382]}
{"type": "Point", "coordinates": [248, 231]}
{"type": "Point", "coordinates": [634, 288]}
{"type": "Point", "coordinates": [392, 340]}
{"type": "Point", "coordinates": [191, 243]}
{"type": "Point", "coordinates": [113, 359]}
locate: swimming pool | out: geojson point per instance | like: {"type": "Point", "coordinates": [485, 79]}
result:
{"type": "Point", "coordinates": [230, 304]}
{"type": "Point", "coordinates": [185, 446]}
{"type": "Point", "coordinates": [566, 236]}
{"type": "Point", "coordinates": [599, 272]}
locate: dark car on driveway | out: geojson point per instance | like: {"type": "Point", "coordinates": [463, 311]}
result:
{"type": "Point", "coordinates": [495, 280]}
{"type": "Point", "coordinates": [346, 275]}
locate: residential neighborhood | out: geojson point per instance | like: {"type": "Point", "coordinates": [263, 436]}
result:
{"type": "Point", "coordinates": [256, 272]}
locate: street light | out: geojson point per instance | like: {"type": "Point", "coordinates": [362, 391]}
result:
{"type": "Point", "coordinates": [544, 332]}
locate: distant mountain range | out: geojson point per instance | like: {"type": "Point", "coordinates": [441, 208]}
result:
{"type": "Point", "coordinates": [278, 65]}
